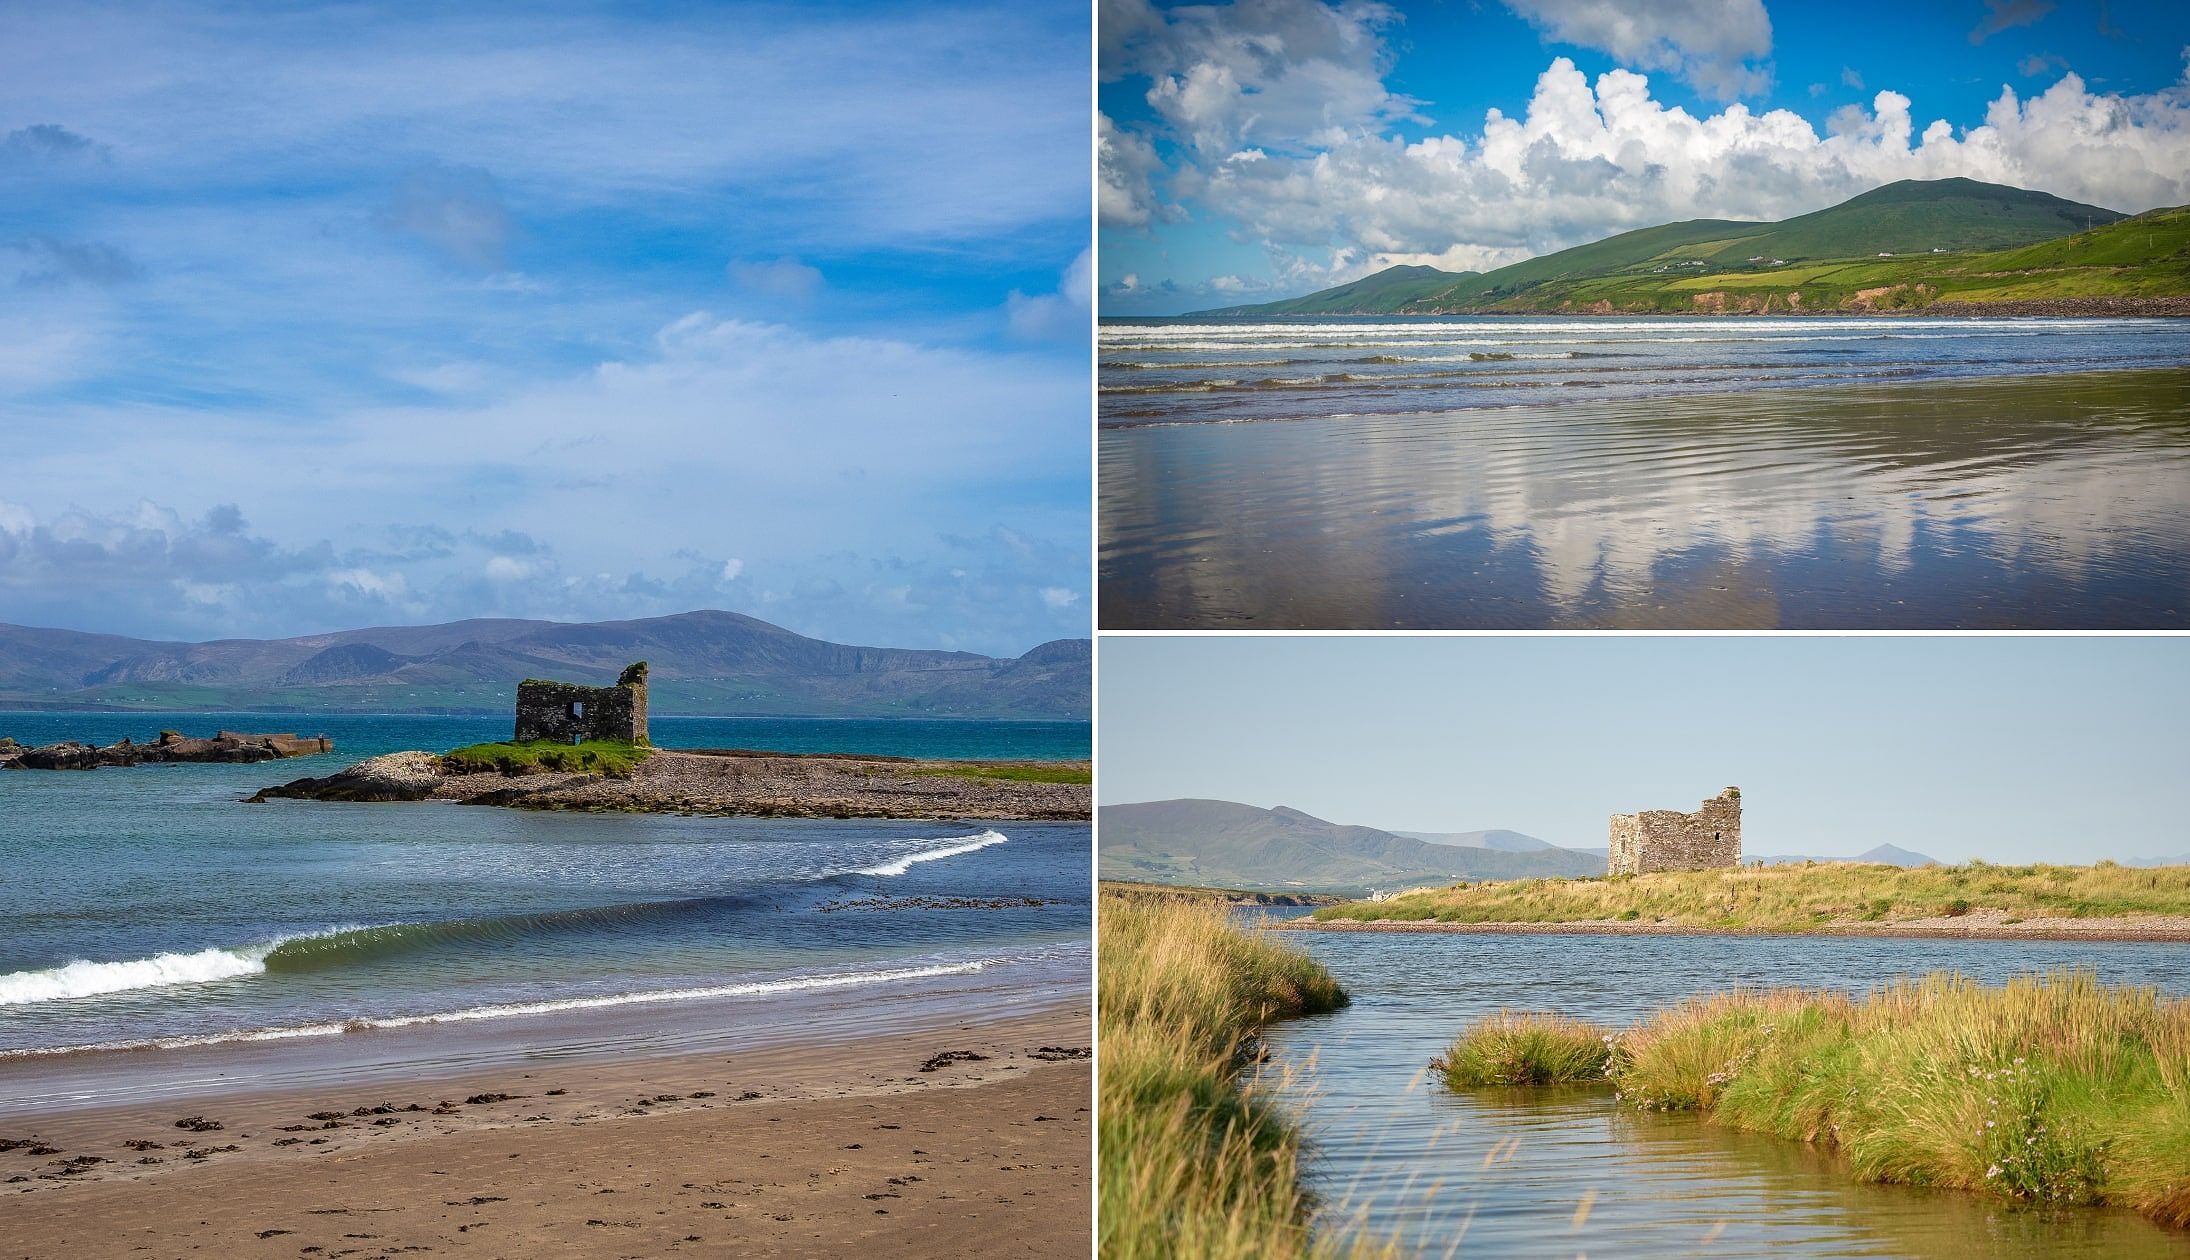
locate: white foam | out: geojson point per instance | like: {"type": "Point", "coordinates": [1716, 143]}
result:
{"type": "Point", "coordinates": [86, 979]}
{"type": "Point", "coordinates": [952, 848]}
{"type": "Point", "coordinates": [750, 988]}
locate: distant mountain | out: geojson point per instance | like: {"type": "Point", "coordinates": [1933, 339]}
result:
{"type": "Point", "coordinates": [1910, 244]}
{"type": "Point", "coordinates": [700, 662]}
{"type": "Point", "coordinates": [1228, 845]}
{"type": "Point", "coordinates": [1502, 841]}
{"type": "Point", "coordinates": [2180, 859]}
{"type": "Point", "coordinates": [1885, 854]}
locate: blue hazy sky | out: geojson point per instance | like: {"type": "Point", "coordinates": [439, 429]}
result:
{"type": "Point", "coordinates": [1270, 147]}
{"type": "Point", "coordinates": [316, 316]}
{"type": "Point", "coordinates": [2006, 748]}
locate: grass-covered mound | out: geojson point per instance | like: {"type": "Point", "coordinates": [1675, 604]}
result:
{"type": "Point", "coordinates": [1525, 1048]}
{"type": "Point", "coordinates": [1798, 898]}
{"type": "Point", "coordinates": [612, 758]}
{"type": "Point", "coordinates": [1192, 1163]}
{"type": "Point", "coordinates": [2053, 1089]}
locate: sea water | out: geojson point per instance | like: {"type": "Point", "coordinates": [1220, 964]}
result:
{"type": "Point", "coordinates": [1671, 473]}
{"type": "Point", "coordinates": [149, 909]}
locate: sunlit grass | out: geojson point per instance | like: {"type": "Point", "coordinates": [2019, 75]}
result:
{"type": "Point", "coordinates": [2053, 1089]}
{"type": "Point", "coordinates": [1524, 1048]}
{"type": "Point", "coordinates": [1803, 898]}
{"type": "Point", "coordinates": [1195, 1162]}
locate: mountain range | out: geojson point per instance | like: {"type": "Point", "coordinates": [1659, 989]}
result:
{"type": "Point", "coordinates": [1224, 844]}
{"type": "Point", "coordinates": [700, 662]}
{"type": "Point", "coordinates": [1915, 244]}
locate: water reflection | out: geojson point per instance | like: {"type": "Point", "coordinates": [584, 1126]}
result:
{"type": "Point", "coordinates": [1566, 1172]}
{"type": "Point", "coordinates": [2057, 501]}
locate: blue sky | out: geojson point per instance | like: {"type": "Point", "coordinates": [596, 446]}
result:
{"type": "Point", "coordinates": [1271, 147]}
{"type": "Point", "coordinates": [2007, 748]}
{"type": "Point", "coordinates": [323, 316]}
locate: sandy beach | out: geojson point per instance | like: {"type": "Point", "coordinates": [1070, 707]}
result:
{"type": "Point", "coordinates": [961, 1139]}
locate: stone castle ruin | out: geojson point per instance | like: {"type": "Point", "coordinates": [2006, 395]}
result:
{"type": "Point", "coordinates": [1668, 840]}
{"type": "Point", "coordinates": [566, 713]}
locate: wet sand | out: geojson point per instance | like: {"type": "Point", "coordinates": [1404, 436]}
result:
{"type": "Point", "coordinates": [960, 1140]}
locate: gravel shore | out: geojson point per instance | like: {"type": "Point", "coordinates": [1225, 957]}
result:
{"type": "Point", "coordinates": [740, 783]}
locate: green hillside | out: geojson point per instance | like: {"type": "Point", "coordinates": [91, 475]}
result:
{"type": "Point", "coordinates": [1911, 245]}
{"type": "Point", "coordinates": [1388, 289]}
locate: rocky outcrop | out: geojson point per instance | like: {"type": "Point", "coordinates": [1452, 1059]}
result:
{"type": "Point", "coordinates": [172, 746]}
{"type": "Point", "coordinates": [402, 776]}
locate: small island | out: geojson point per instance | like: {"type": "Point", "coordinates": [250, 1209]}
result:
{"type": "Point", "coordinates": [587, 749]}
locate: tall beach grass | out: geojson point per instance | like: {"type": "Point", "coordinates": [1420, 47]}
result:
{"type": "Point", "coordinates": [2053, 1089]}
{"type": "Point", "coordinates": [1194, 1162]}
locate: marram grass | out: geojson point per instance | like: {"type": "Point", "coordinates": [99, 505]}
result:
{"type": "Point", "coordinates": [1525, 1048]}
{"type": "Point", "coordinates": [1193, 1161]}
{"type": "Point", "coordinates": [2052, 1089]}
{"type": "Point", "coordinates": [1804, 898]}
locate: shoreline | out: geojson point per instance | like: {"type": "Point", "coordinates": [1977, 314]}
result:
{"type": "Point", "coordinates": [1976, 928]}
{"type": "Point", "coordinates": [904, 1138]}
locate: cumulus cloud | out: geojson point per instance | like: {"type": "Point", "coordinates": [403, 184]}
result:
{"type": "Point", "coordinates": [1125, 172]}
{"type": "Point", "coordinates": [1586, 160]}
{"type": "Point", "coordinates": [2003, 15]}
{"type": "Point", "coordinates": [1276, 72]}
{"type": "Point", "coordinates": [459, 210]}
{"type": "Point", "coordinates": [780, 279]}
{"type": "Point", "coordinates": [1711, 44]}
{"type": "Point", "coordinates": [1060, 315]}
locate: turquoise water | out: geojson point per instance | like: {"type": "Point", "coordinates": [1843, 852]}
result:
{"type": "Point", "coordinates": [149, 908]}
{"type": "Point", "coordinates": [1507, 1173]}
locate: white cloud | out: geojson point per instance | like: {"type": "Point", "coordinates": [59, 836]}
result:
{"type": "Point", "coordinates": [1708, 43]}
{"type": "Point", "coordinates": [1586, 160]}
{"type": "Point", "coordinates": [1274, 72]}
{"type": "Point", "coordinates": [1125, 170]}
{"type": "Point", "coordinates": [1059, 597]}
{"type": "Point", "coordinates": [1061, 315]}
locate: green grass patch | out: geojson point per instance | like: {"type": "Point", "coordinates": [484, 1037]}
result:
{"type": "Point", "coordinates": [613, 759]}
{"type": "Point", "coordinates": [1808, 898]}
{"type": "Point", "coordinates": [1525, 1048]}
{"type": "Point", "coordinates": [1014, 771]}
{"type": "Point", "coordinates": [1194, 1162]}
{"type": "Point", "coordinates": [2050, 1089]}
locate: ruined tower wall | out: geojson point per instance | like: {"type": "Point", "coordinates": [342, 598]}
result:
{"type": "Point", "coordinates": [1668, 840]}
{"type": "Point", "coordinates": [566, 712]}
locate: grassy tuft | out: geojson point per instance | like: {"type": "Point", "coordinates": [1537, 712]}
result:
{"type": "Point", "coordinates": [2053, 1089]}
{"type": "Point", "coordinates": [613, 759]}
{"type": "Point", "coordinates": [1525, 1048]}
{"type": "Point", "coordinates": [1193, 1162]}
